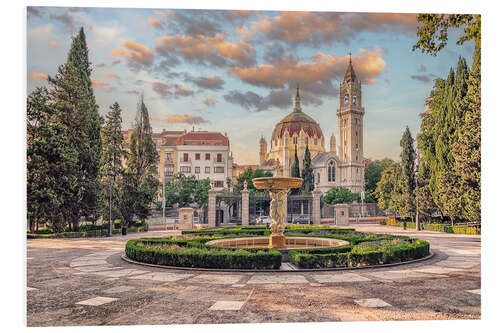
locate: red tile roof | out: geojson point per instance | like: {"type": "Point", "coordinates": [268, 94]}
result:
{"type": "Point", "coordinates": [203, 139]}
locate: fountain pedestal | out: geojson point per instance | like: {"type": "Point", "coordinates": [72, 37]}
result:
{"type": "Point", "coordinates": [277, 187]}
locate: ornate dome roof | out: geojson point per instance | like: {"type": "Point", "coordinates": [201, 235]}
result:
{"type": "Point", "coordinates": [296, 121]}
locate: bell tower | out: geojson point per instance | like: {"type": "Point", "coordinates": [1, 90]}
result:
{"type": "Point", "coordinates": [350, 121]}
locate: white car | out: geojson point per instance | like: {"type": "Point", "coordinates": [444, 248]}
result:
{"type": "Point", "coordinates": [263, 220]}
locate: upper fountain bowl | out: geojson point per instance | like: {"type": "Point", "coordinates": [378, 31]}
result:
{"type": "Point", "coordinates": [277, 183]}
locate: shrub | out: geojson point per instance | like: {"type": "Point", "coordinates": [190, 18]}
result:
{"type": "Point", "coordinates": [155, 252]}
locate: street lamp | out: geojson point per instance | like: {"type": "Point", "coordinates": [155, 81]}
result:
{"type": "Point", "coordinates": [111, 175]}
{"type": "Point", "coordinates": [417, 165]}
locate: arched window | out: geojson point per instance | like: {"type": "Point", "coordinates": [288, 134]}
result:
{"type": "Point", "coordinates": [354, 100]}
{"type": "Point", "coordinates": [307, 141]}
{"type": "Point", "coordinates": [295, 140]}
{"type": "Point", "coordinates": [318, 179]}
{"type": "Point", "coordinates": [331, 171]}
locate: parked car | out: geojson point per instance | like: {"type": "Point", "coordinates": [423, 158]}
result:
{"type": "Point", "coordinates": [263, 220]}
{"type": "Point", "coordinates": [301, 219]}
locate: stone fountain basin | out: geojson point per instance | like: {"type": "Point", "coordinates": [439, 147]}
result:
{"type": "Point", "coordinates": [291, 243]}
{"type": "Point", "coordinates": [276, 183]}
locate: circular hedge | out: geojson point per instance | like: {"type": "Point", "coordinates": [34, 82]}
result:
{"type": "Point", "coordinates": [364, 249]}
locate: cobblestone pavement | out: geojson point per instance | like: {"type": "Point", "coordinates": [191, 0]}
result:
{"type": "Point", "coordinates": [85, 282]}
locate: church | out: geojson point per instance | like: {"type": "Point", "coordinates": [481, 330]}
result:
{"type": "Point", "coordinates": [342, 167]}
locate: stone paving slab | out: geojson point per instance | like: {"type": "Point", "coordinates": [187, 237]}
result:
{"type": "Point", "coordinates": [281, 278]}
{"type": "Point", "coordinates": [342, 277]}
{"type": "Point", "coordinates": [398, 275]}
{"type": "Point", "coordinates": [372, 303]}
{"type": "Point", "coordinates": [216, 279]}
{"type": "Point", "coordinates": [92, 269]}
{"type": "Point", "coordinates": [475, 291]}
{"type": "Point", "coordinates": [227, 305]}
{"type": "Point", "coordinates": [434, 270]}
{"type": "Point", "coordinates": [162, 277]}
{"type": "Point", "coordinates": [87, 262]}
{"type": "Point", "coordinates": [119, 289]}
{"type": "Point", "coordinates": [121, 272]}
{"type": "Point", "coordinates": [96, 301]}
{"type": "Point", "coordinates": [457, 263]}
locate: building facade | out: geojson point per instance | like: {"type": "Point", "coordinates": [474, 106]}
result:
{"type": "Point", "coordinates": [341, 166]}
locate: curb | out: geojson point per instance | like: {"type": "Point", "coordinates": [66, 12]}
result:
{"type": "Point", "coordinates": [125, 258]}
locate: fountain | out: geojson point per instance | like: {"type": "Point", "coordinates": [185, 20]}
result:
{"type": "Point", "coordinates": [277, 186]}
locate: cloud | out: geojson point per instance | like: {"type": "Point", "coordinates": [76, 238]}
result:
{"type": "Point", "coordinates": [133, 92]}
{"type": "Point", "coordinates": [162, 89]}
{"type": "Point", "coordinates": [205, 22]}
{"type": "Point", "coordinates": [155, 23]}
{"type": "Point", "coordinates": [208, 101]}
{"type": "Point", "coordinates": [162, 14]}
{"type": "Point", "coordinates": [111, 75]}
{"type": "Point", "coordinates": [115, 62]}
{"type": "Point", "coordinates": [254, 102]}
{"type": "Point", "coordinates": [36, 75]}
{"type": "Point", "coordinates": [34, 11]}
{"type": "Point", "coordinates": [183, 91]}
{"type": "Point", "coordinates": [181, 118]}
{"type": "Point", "coordinates": [100, 65]}
{"type": "Point", "coordinates": [210, 82]}
{"type": "Point", "coordinates": [422, 78]}
{"type": "Point", "coordinates": [137, 55]}
{"type": "Point", "coordinates": [314, 76]}
{"type": "Point", "coordinates": [53, 44]}
{"type": "Point", "coordinates": [421, 68]}
{"type": "Point", "coordinates": [165, 90]}
{"type": "Point", "coordinates": [98, 83]}
{"type": "Point", "coordinates": [318, 28]}
{"type": "Point", "coordinates": [206, 50]}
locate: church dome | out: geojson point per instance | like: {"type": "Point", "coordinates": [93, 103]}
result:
{"type": "Point", "coordinates": [295, 122]}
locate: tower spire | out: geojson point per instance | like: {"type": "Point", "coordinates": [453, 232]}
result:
{"type": "Point", "coordinates": [297, 107]}
{"type": "Point", "coordinates": [349, 74]}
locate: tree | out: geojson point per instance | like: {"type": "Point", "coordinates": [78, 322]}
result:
{"type": "Point", "coordinates": [74, 100]}
{"type": "Point", "coordinates": [248, 175]}
{"type": "Point", "coordinates": [373, 173]}
{"type": "Point", "coordinates": [433, 30]}
{"type": "Point", "coordinates": [295, 172]}
{"type": "Point", "coordinates": [112, 154]}
{"type": "Point", "coordinates": [139, 185]}
{"type": "Point", "coordinates": [467, 147]}
{"type": "Point", "coordinates": [406, 182]}
{"type": "Point", "coordinates": [307, 172]}
{"type": "Point", "coordinates": [385, 191]}
{"type": "Point", "coordinates": [338, 195]}
{"type": "Point", "coordinates": [51, 161]}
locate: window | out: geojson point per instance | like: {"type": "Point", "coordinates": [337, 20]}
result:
{"type": "Point", "coordinates": [307, 141]}
{"type": "Point", "coordinates": [169, 170]}
{"type": "Point", "coordinates": [318, 178]}
{"type": "Point", "coordinates": [219, 157]}
{"type": "Point", "coordinates": [196, 169]}
{"type": "Point", "coordinates": [197, 156]}
{"type": "Point", "coordinates": [346, 99]}
{"type": "Point", "coordinates": [354, 100]}
{"type": "Point", "coordinates": [295, 140]}
{"type": "Point", "coordinates": [186, 169]}
{"type": "Point", "coordinates": [186, 157]}
{"type": "Point", "coordinates": [169, 156]}
{"type": "Point", "coordinates": [331, 171]}
{"type": "Point", "coordinates": [219, 170]}
{"type": "Point", "coordinates": [207, 169]}
{"type": "Point", "coordinates": [207, 157]}
{"type": "Point", "coordinates": [218, 183]}
{"type": "Point", "coordinates": [315, 141]}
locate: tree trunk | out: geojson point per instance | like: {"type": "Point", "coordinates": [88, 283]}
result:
{"type": "Point", "coordinates": [75, 225]}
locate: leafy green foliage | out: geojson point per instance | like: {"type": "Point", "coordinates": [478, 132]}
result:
{"type": "Point", "coordinates": [433, 30]}
{"type": "Point", "coordinates": [307, 172]}
{"type": "Point", "coordinates": [248, 175]}
{"type": "Point", "coordinates": [373, 173]}
{"type": "Point", "coordinates": [406, 181]}
{"type": "Point", "coordinates": [295, 171]}
{"type": "Point", "coordinates": [338, 195]}
{"type": "Point", "coordinates": [183, 190]}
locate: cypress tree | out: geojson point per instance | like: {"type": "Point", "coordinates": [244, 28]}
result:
{"type": "Point", "coordinates": [307, 172]}
{"type": "Point", "coordinates": [406, 181]}
{"type": "Point", "coordinates": [295, 172]}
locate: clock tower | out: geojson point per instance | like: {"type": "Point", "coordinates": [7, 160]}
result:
{"type": "Point", "coordinates": [350, 121]}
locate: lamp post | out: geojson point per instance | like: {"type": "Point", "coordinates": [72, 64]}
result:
{"type": "Point", "coordinates": [417, 165]}
{"type": "Point", "coordinates": [111, 175]}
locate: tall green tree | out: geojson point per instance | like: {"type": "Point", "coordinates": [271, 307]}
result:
{"type": "Point", "coordinates": [385, 192]}
{"type": "Point", "coordinates": [433, 30]}
{"type": "Point", "coordinates": [139, 185]}
{"type": "Point", "coordinates": [295, 171]}
{"type": "Point", "coordinates": [373, 173]}
{"type": "Point", "coordinates": [51, 161]}
{"type": "Point", "coordinates": [74, 100]}
{"type": "Point", "coordinates": [406, 181]}
{"type": "Point", "coordinates": [467, 147]}
{"type": "Point", "coordinates": [113, 152]}
{"type": "Point", "coordinates": [307, 172]}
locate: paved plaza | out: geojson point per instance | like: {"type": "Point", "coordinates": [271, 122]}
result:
{"type": "Point", "coordinates": [85, 282]}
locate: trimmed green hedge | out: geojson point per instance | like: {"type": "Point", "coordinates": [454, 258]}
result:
{"type": "Point", "coordinates": [264, 231]}
{"type": "Point", "coordinates": [391, 252]}
{"type": "Point", "coordinates": [84, 234]}
{"type": "Point", "coordinates": [155, 252]}
{"type": "Point", "coordinates": [441, 227]}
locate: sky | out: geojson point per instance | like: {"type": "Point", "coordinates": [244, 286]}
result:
{"type": "Point", "coordinates": [236, 71]}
